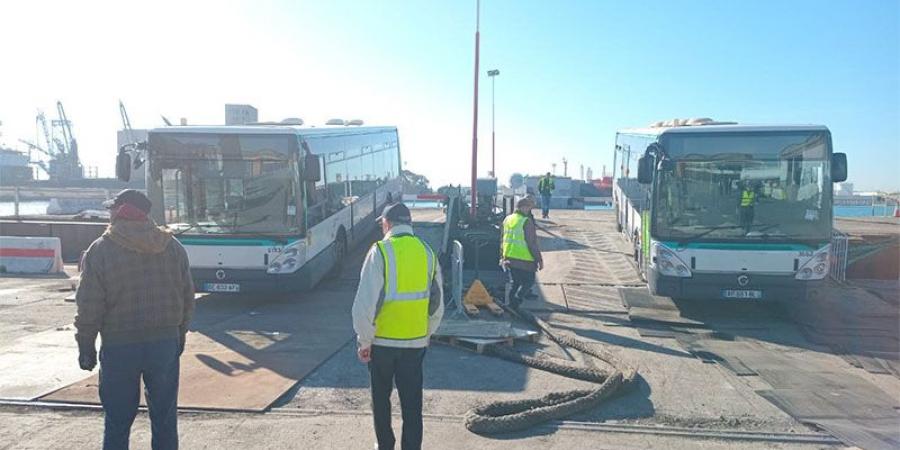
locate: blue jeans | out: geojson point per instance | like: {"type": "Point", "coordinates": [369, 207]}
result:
{"type": "Point", "coordinates": [545, 205]}
{"type": "Point", "coordinates": [121, 369]}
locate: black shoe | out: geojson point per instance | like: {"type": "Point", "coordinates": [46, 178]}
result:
{"type": "Point", "coordinates": [529, 296]}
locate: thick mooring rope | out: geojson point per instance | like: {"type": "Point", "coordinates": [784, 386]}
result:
{"type": "Point", "coordinates": [515, 415]}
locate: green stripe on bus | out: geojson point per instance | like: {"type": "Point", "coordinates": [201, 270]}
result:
{"type": "Point", "coordinates": [645, 234]}
{"type": "Point", "coordinates": [221, 241]}
{"type": "Point", "coordinates": [741, 246]}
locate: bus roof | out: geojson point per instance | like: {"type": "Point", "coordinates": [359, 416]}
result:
{"type": "Point", "coordinates": [729, 128]}
{"type": "Point", "coordinates": [271, 129]}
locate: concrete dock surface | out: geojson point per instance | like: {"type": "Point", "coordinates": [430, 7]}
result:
{"type": "Point", "coordinates": [680, 400]}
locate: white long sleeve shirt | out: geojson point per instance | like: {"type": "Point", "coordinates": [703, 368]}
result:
{"type": "Point", "coordinates": [370, 297]}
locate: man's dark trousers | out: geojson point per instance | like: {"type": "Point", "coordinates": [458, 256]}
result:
{"type": "Point", "coordinates": [545, 204]}
{"type": "Point", "coordinates": [746, 218]}
{"type": "Point", "coordinates": [521, 281]}
{"type": "Point", "coordinates": [403, 367]}
{"type": "Point", "coordinates": [121, 369]}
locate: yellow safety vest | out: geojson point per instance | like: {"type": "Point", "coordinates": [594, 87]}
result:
{"type": "Point", "coordinates": [747, 198]}
{"type": "Point", "coordinates": [514, 245]}
{"type": "Point", "coordinates": [545, 184]}
{"type": "Point", "coordinates": [408, 273]}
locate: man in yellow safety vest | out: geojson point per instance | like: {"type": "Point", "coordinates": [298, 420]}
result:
{"type": "Point", "coordinates": [520, 255]}
{"type": "Point", "coordinates": [398, 306]}
{"type": "Point", "coordinates": [545, 188]}
{"type": "Point", "coordinates": [748, 202]}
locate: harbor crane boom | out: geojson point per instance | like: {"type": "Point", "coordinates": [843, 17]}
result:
{"type": "Point", "coordinates": [71, 146]}
{"type": "Point", "coordinates": [32, 146]}
{"type": "Point", "coordinates": [41, 121]}
{"type": "Point", "coordinates": [126, 124]}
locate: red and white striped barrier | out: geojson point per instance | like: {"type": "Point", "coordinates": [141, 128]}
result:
{"type": "Point", "coordinates": [30, 254]}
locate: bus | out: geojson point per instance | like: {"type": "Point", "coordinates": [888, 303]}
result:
{"type": "Point", "coordinates": [268, 207]}
{"type": "Point", "coordinates": [719, 210]}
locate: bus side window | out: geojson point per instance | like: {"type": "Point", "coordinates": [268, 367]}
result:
{"type": "Point", "coordinates": [336, 183]}
{"type": "Point", "coordinates": [314, 194]}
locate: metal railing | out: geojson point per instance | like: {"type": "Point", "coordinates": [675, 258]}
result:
{"type": "Point", "coordinates": [838, 268]}
{"type": "Point", "coordinates": [456, 276]}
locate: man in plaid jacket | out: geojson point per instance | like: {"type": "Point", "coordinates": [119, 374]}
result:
{"type": "Point", "coordinates": [136, 292]}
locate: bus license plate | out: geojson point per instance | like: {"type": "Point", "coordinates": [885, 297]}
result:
{"type": "Point", "coordinates": [751, 294]}
{"type": "Point", "coordinates": [222, 287]}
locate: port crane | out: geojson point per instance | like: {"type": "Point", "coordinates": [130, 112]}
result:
{"type": "Point", "coordinates": [70, 165]}
{"type": "Point", "coordinates": [40, 121]}
{"type": "Point", "coordinates": [131, 155]}
{"type": "Point", "coordinates": [62, 151]}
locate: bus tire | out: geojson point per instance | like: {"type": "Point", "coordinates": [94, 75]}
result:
{"type": "Point", "coordinates": [340, 253]}
{"type": "Point", "coordinates": [618, 220]}
{"type": "Point", "coordinates": [639, 256]}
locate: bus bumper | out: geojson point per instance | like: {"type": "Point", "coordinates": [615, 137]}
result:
{"type": "Point", "coordinates": [239, 281]}
{"type": "Point", "coordinates": [709, 286]}
{"type": "Point", "coordinates": [258, 281]}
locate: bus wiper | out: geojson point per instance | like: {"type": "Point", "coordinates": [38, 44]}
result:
{"type": "Point", "coordinates": [783, 238]}
{"type": "Point", "coordinates": [694, 237]}
{"type": "Point", "coordinates": [764, 226]}
{"type": "Point", "coordinates": [189, 228]}
{"type": "Point", "coordinates": [277, 238]}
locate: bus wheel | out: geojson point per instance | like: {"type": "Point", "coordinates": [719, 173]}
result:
{"type": "Point", "coordinates": [340, 253]}
{"type": "Point", "coordinates": [639, 258]}
{"type": "Point", "coordinates": [636, 244]}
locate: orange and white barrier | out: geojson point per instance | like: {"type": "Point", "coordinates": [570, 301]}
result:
{"type": "Point", "coordinates": [30, 254]}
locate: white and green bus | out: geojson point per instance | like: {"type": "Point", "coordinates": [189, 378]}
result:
{"type": "Point", "coordinates": [269, 207]}
{"type": "Point", "coordinates": [725, 211]}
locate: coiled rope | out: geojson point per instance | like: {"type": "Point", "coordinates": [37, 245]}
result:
{"type": "Point", "coordinates": [515, 415]}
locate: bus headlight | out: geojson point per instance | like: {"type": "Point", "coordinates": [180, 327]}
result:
{"type": "Point", "coordinates": [290, 259]}
{"type": "Point", "coordinates": [816, 267]}
{"type": "Point", "coordinates": [667, 262]}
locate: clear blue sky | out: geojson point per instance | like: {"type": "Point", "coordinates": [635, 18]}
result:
{"type": "Point", "coordinates": [571, 72]}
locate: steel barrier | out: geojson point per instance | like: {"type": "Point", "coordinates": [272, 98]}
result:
{"type": "Point", "coordinates": [456, 276]}
{"type": "Point", "coordinates": [838, 268]}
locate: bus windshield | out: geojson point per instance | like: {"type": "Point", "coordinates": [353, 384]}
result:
{"type": "Point", "coordinates": [756, 188]}
{"type": "Point", "coordinates": [228, 185]}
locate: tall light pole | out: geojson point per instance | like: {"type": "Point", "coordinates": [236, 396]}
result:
{"type": "Point", "coordinates": [472, 208]}
{"type": "Point", "coordinates": [493, 75]}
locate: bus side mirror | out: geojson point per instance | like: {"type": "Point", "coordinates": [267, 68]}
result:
{"type": "Point", "coordinates": [645, 170]}
{"type": "Point", "coordinates": [838, 167]}
{"type": "Point", "coordinates": [123, 166]}
{"type": "Point", "coordinates": [312, 170]}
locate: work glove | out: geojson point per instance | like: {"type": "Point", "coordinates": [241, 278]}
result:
{"type": "Point", "coordinates": [87, 353]}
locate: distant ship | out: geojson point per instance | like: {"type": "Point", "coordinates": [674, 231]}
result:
{"type": "Point", "coordinates": [14, 167]}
